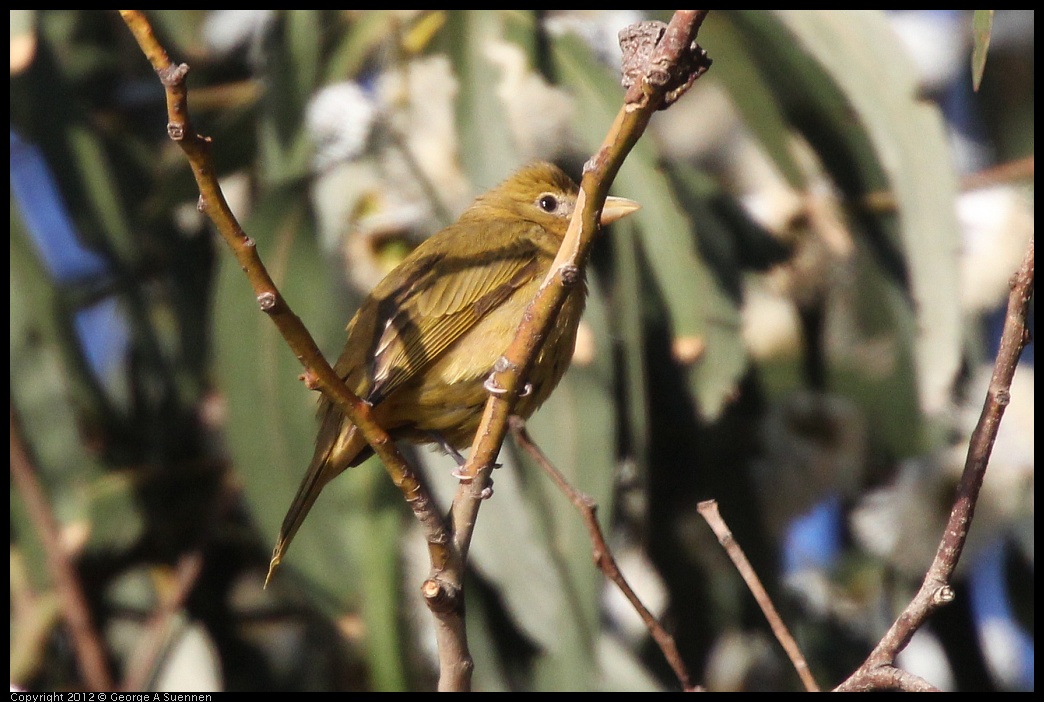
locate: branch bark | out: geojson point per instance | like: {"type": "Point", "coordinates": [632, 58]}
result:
{"type": "Point", "coordinates": [87, 645]}
{"type": "Point", "coordinates": [318, 373]}
{"type": "Point", "coordinates": [935, 590]}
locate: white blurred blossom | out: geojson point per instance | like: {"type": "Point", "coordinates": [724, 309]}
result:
{"type": "Point", "coordinates": [226, 31]}
{"type": "Point", "coordinates": [340, 119]}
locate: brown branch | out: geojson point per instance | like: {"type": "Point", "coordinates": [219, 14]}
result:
{"type": "Point", "coordinates": [90, 654]}
{"type": "Point", "coordinates": [1001, 174]}
{"type": "Point", "coordinates": [603, 555]}
{"type": "Point", "coordinates": [887, 678]}
{"type": "Point", "coordinates": [318, 372]}
{"type": "Point", "coordinates": [936, 590]}
{"type": "Point", "coordinates": [662, 78]}
{"type": "Point", "coordinates": [708, 509]}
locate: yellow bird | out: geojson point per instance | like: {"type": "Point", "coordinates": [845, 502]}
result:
{"type": "Point", "coordinates": [425, 340]}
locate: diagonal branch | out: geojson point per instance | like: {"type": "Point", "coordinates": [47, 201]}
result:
{"type": "Point", "coordinates": [708, 509]}
{"type": "Point", "coordinates": [935, 590]}
{"type": "Point", "coordinates": [603, 555]}
{"type": "Point", "coordinates": [90, 654]}
{"type": "Point", "coordinates": [318, 372]}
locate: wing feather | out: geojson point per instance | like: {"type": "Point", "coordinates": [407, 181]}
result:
{"type": "Point", "coordinates": [441, 307]}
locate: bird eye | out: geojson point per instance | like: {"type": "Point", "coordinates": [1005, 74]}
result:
{"type": "Point", "coordinates": [548, 203]}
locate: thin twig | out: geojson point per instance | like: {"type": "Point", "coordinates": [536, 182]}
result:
{"type": "Point", "coordinates": [603, 555]}
{"type": "Point", "coordinates": [1001, 174]}
{"type": "Point", "coordinates": [708, 509]}
{"type": "Point", "coordinates": [87, 645]}
{"type": "Point", "coordinates": [936, 590]}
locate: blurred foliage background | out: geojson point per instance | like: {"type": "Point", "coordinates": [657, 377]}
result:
{"type": "Point", "coordinates": [796, 324]}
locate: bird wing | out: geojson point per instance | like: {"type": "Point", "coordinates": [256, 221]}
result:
{"type": "Point", "coordinates": [439, 307]}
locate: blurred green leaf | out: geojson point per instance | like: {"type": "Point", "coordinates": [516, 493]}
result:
{"type": "Point", "coordinates": [736, 69]}
{"type": "Point", "coordinates": [294, 40]}
{"type": "Point", "coordinates": [982, 28]}
{"type": "Point", "coordinates": [487, 148]}
{"type": "Point", "coordinates": [859, 106]}
{"type": "Point", "coordinates": [271, 415]}
{"type": "Point", "coordinates": [42, 391]}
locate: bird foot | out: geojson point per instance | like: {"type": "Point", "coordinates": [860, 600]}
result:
{"type": "Point", "coordinates": [491, 386]}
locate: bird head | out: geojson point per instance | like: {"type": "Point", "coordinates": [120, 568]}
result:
{"type": "Point", "coordinates": [541, 192]}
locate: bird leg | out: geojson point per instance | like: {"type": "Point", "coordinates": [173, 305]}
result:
{"type": "Point", "coordinates": [457, 473]}
{"type": "Point", "coordinates": [439, 439]}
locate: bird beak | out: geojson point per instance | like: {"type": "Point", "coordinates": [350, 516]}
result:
{"type": "Point", "coordinates": [616, 208]}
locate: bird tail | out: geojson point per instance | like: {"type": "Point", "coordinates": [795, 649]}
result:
{"type": "Point", "coordinates": [339, 446]}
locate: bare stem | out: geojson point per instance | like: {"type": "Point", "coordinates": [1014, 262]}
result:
{"type": "Point", "coordinates": [603, 555]}
{"type": "Point", "coordinates": [87, 645]}
{"type": "Point", "coordinates": [708, 509]}
{"type": "Point", "coordinates": [936, 590]}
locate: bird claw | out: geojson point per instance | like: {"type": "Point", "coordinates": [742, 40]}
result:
{"type": "Point", "coordinates": [491, 386]}
{"type": "Point", "coordinates": [459, 474]}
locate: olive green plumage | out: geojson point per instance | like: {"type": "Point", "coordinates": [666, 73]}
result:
{"type": "Point", "coordinates": [425, 339]}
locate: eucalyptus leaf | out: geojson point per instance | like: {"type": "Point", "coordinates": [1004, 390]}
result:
{"type": "Point", "coordinates": [857, 102]}
{"type": "Point", "coordinates": [271, 415]}
{"type": "Point", "coordinates": [982, 29]}
{"type": "Point", "coordinates": [487, 148]}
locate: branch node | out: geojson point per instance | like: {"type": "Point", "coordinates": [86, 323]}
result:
{"type": "Point", "coordinates": [504, 364]}
{"type": "Point", "coordinates": [944, 595]}
{"type": "Point", "coordinates": [172, 75]}
{"type": "Point", "coordinates": [440, 595]}
{"type": "Point", "coordinates": [1003, 397]}
{"type": "Point", "coordinates": [267, 300]}
{"type": "Point", "coordinates": [637, 43]}
{"type": "Point", "coordinates": [310, 380]}
{"type": "Point", "coordinates": [650, 60]}
{"type": "Point", "coordinates": [487, 492]}
{"type": "Point", "coordinates": [570, 275]}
